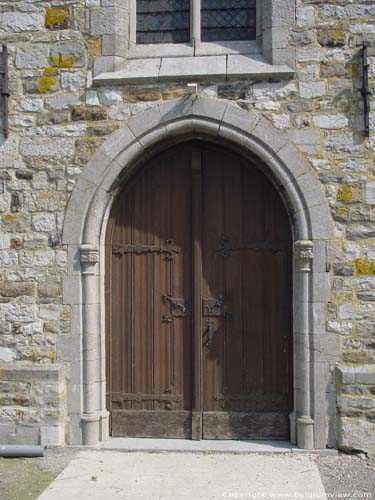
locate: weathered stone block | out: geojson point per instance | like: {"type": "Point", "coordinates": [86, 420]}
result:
{"type": "Point", "coordinates": [311, 90]}
{"type": "Point", "coordinates": [53, 118]}
{"type": "Point", "coordinates": [45, 222]}
{"type": "Point", "coordinates": [62, 101]}
{"type": "Point", "coordinates": [136, 95]}
{"type": "Point", "coordinates": [35, 56]}
{"type": "Point", "coordinates": [19, 22]}
{"type": "Point", "coordinates": [89, 114]}
{"type": "Point", "coordinates": [68, 54]}
{"type": "Point", "coordinates": [57, 18]}
{"type": "Point", "coordinates": [45, 147]}
{"type": "Point", "coordinates": [16, 289]}
{"type": "Point", "coordinates": [7, 354]}
{"type": "Point", "coordinates": [330, 121]}
{"type": "Point", "coordinates": [356, 434]}
{"type": "Point", "coordinates": [331, 37]}
{"type": "Point", "coordinates": [73, 81]}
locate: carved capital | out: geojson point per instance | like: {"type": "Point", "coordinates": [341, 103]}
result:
{"type": "Point", "coordinates": [304, 254]}
{"type": "Point", "coordinates": [89, 257]}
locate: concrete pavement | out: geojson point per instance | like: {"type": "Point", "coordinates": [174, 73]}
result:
{"type": "Point", "coordinates": [112, 475]}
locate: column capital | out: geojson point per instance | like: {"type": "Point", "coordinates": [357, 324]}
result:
{"type": "Point", "coordinates": [89, 257]}
{"type": "Point", "coordinates": [304, 254]}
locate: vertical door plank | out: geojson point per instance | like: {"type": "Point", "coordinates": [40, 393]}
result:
{"type": "Point", "coordinates": [196, 168]}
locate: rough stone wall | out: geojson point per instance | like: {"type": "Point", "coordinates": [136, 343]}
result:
{"type": "Point", "coordinates": [58, 120]}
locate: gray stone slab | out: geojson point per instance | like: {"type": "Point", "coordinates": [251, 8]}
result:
{"type": "Point", "coordinates": [355, 374]}
{"type": "Point", "coordinates": [184, 445]}
{"type": "Point", "coordinates": [135, 71]}
{"type": "Point", "coordinates": [243, 66]}
{"type": "Point", "coordinates": [180, 68]}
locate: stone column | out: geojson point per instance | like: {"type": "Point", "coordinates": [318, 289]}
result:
{"type": "Point", "coordinates": [303, 251]}
{"type": "Point", "coordinates": [91, 418]}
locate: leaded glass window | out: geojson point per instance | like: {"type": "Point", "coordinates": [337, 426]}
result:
{"type": "Point", "coordinates": [228, 20]}
{"type": "Point", "coordinates": [163, 21]}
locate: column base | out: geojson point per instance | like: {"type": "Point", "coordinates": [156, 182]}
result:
{"type": "Point", "coordinates": [94, 427]}
{"type": "Point", "coordinates": [305, 433]}
{"type": "Point", "coordinates": [293, 428]}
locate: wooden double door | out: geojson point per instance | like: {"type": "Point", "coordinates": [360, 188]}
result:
{"type": "Point", "coordinates": [199, 300]}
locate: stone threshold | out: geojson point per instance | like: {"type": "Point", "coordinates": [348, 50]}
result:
{"type": "Point", "coordinates": [204, 446]}
{"type": "Point", "coordinates": [223, 67]}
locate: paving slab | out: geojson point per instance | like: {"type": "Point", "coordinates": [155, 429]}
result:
{"type": "Point", "coordinates": [188, 445]}
{"type": "Point", "coordinates": [111, 475]}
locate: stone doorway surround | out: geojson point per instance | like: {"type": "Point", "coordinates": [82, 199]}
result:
{"type": "Point", "coordinates": [312, 421]}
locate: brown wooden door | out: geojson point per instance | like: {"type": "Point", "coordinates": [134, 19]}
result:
{"type": "Point", "coordinates": [198, 285]}
{"type": "Point", "coordinates": [247, 372]}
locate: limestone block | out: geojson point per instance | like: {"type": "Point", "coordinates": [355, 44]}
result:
{"type": "Point", "coordinates": [72, 81]}
{"type": "Point", "coordinates": [19, 22]}
{"type": "Point", "coordinates": [44, 147]}
{"type": "Point", "coordinates": [356, 434]}
{"type": "Point", "coordinates": [50, 312]}
{"type": "Point", "coordinates": [370, 193]}
{"type": "Point", "coordinates": [7, 354]}
{"type": "Point", "coordinates": [17, 312]}
{"type": "Point", "coordinates": [103, 21]}
{"type": "Point", "coordinates": [62, 101]}
{"type": "Point", "coordinates": [68, 54]}
{"type": "Point", "coordinates": [305, 16]}
{"type": "Point", "coordinates": [344, 142]}
{"type": "Point", "coordinates": [331, 121]}
{"type": "Point", "coordinates": [307, 141]}
{"type": "Point", "coordinates": [52, 435]}
{"type": "Point", "coordinates": [311, 90]}
{"type": "Point", "coordinates": [35, 56]}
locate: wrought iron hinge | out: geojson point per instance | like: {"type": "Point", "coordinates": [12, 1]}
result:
{"type": "Point", "coordinates": [226, 248]}
{"type": "Point", "coordinates": [5, 91]}
{"type": "Point", "coordinates": [366, 92]}
{"type": "Point", "coordinates": [214, 307]}
{"type": "Point", "coordinates": [168, 249]}
{"type": "Point", "coordinates": [179, 308]}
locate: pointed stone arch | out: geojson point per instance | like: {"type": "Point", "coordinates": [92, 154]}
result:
{"type": "Point", "coordinates": [85, 225]}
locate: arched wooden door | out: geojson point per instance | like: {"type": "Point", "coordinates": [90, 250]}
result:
{"type": "Point", "coordinates": [199, 300]}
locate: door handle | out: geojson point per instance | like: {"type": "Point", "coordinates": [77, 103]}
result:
{"type": "Point", "coordinates": [210, 334]}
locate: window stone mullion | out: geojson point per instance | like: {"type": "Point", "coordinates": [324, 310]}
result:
{"type": "Point", "coordinates": [195, 22]}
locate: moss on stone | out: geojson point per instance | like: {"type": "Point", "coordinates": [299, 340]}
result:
{"type": "Point", "coordinates": [45, 83]}
{"type": "Point", "coordinates": [8, 217]}
{"type": "Point", "coordinates": [36, 356]}
{"type": "Point", "coordinates": [352, 68]}
{"type": "Point", "coordinates": [337, 35]}
{"type": "Point", "coordinates": [364, 267]}
{"type": "Point", "coordinates": [56, 18]}
{"type": "Point", "coordinates": [63, 62]}
{"type": "Point", "coordinates": [51, 71]}
{"type": "Point", "coordinates": [93, 46]}
{"type": "Point", "coordinates": [345, 194]}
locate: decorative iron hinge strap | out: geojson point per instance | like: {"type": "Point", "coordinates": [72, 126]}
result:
{"type": "Point", "coordinates": [226, 249]}
{"type": "Point", "coordinates": [169, 249]}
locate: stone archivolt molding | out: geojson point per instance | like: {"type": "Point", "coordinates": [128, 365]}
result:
{"type": "Point", "coordinates": [85, 226]}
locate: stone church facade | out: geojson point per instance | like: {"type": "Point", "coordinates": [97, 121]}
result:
{"type": "Point", "coordinates": [88, 105]}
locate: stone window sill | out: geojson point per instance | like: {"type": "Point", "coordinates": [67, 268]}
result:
{"type": "Point", "coordinates": [215, 67]}
{"type": "Point", "coordinates": [150, 51]}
